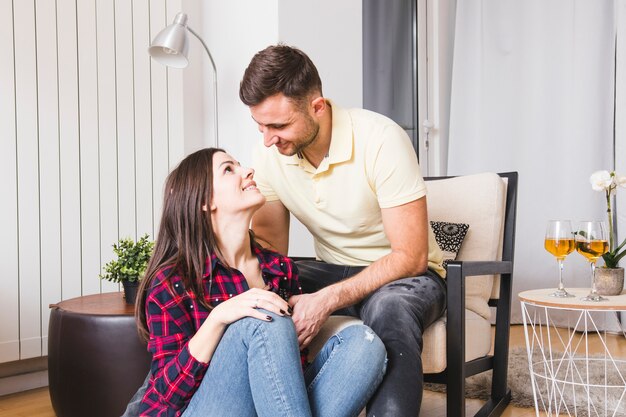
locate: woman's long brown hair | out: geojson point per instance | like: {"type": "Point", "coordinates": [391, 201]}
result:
{"type": "Point", "coordinates": [186, 236]}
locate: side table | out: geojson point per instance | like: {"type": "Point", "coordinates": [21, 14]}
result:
{"type": "Point", "coordinates": [96, 361]}
{"type": "Point", "coordinates": [567, 378]}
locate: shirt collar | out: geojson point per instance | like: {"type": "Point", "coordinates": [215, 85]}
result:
{"type": "Point", "coordinates": [269, 261]}
{"type": "Point", "coordinates": [342, 139]}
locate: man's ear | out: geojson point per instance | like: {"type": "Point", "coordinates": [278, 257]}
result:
{"type": "Point", "coordinates": [318, 105]}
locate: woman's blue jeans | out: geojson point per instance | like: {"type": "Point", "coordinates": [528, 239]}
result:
{"type": "Point", "coordinates": [256, 370]}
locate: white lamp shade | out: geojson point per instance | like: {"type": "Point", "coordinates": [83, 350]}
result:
{"type": "Point", "coordinates": [170, 46]}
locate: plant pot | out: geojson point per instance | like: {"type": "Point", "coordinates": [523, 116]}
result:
{"type": "Point", "coordinates": [609, 281]}
{"type": "Point", "coordinates": [130, 291]}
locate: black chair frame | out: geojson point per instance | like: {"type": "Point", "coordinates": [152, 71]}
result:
{"type": "Point", "coordinates": [457, 368]}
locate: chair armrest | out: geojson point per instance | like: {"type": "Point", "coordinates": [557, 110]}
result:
{"type": "Point", "coordinates": [459, 270]}
{"type": "Point", "coordinates": [455, 329]}
{"type": "Point", "coordinates": [471, 268]}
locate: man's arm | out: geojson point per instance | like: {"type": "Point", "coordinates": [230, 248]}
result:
{"type": "Point", "coordinates": [271, 226]}
{"type": "Point", "coordinates": [406, 227]}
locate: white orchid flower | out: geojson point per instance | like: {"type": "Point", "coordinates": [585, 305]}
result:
{"type": "Point", "coordinates": [608, 182]}
{"type": "Point", "coordinates": [601, 180]}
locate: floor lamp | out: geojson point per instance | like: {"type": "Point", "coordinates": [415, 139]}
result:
{"type": "Point", "coordinates": [170, 48]}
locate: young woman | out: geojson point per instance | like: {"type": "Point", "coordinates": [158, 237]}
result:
{"type": "Point", "coordinates": [214, 310]}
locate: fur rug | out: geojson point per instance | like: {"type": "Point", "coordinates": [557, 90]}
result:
{"type": "Point", "coordinates": [575, 400]}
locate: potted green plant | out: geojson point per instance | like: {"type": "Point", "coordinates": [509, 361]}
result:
{"type": "Point", "coordinates": [130, 265]}
{"type": "Point", "coordinates": [610, 277]}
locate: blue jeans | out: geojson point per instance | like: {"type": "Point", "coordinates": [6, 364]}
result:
{"type": "Point", "coordinates": [256, 370]}
{"type": "Point", "coordinates": [398, 312]}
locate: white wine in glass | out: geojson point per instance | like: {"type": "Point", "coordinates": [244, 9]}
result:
{"type": "Point", "coordinates": [559, 242]}
{"type": "Point", "coordinates": [591, 242]}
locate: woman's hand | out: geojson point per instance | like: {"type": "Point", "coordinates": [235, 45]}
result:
{"type": "Point", "coordinates": [202, 345]}
{"type": "Point", "coordinates": [247, 304]}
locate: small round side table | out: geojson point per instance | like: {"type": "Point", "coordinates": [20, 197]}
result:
{"type": "Point", "coordinates": [577, 369]}
{"type": "Point", "coordinates": [96, 361]}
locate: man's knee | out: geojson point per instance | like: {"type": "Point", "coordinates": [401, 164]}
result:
{"type": "Point", "coordinates": [409, 305]}
{"type": "Point", "coordinates": [385, 307]}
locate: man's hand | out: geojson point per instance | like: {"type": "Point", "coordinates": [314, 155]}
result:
{"type": "Point", "coordinates": [310, 312]}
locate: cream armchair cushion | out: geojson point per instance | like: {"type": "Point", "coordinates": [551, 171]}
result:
{"type": "Point", "coordinates": [479, 201]}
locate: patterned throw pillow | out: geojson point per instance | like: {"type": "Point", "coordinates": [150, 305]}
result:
{"type": "Point", "coordinates": [449, 237]}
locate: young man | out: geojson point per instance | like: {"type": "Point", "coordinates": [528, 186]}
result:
{"type": "Point", "coordinates": [352, 178]}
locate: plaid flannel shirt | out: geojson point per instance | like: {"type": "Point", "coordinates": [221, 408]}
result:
{"type": "Point", "coordinates": [174, 317]}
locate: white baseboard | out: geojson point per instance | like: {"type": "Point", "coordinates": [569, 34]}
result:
{"type": "Point", "coordinates": [23, 382]}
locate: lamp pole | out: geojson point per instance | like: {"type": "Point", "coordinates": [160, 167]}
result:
{"type": "Point", "coordinates": [206, 48]}
{"type": "Point", "coordinates": [170, 47]}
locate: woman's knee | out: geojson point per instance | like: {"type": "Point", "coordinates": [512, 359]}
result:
{"type": "Point", "coordinates": [364, 344]}
{"type": "Point", "coordinates": [279, 327]}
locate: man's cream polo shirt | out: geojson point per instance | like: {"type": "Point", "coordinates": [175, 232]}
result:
{"type": "Point", "coordinates": [371, 165]}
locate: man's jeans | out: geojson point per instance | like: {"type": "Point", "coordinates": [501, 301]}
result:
{"type": "Point", "coordinates": [398, 312]}
{"type": "Point", "coordinates": [256, 371]}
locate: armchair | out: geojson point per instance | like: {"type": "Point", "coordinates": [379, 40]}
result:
{"type": "Point", "coordinates": [458, 345]}
{"type": "Point", "coordinates": [480, 278]}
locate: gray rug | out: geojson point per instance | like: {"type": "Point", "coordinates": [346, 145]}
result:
{"type": "Point", "coordinates": [575, 399]}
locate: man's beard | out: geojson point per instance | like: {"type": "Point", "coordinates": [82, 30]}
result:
{"type": "Point", "coordinates": [310, 138]}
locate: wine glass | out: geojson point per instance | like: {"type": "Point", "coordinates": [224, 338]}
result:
{"type": "Point", "coordinates": [559, 241]}
{"type": "Point", "coordinates": [591, 242]}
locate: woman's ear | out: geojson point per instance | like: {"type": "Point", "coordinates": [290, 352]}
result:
{"type": "Point", "coordinates": [205, 207]}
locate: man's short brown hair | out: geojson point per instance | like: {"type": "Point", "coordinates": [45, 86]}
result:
{"type": "Point", "coordinates": [279, 69]}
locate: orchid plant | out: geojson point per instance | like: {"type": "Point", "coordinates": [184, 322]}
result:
{"type": "Point", "coordinates": [608, 182]}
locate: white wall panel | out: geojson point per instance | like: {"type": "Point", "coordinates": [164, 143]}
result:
{"type": "Point", "coordinates": [175, 112]}
{"type": "Point", "coordinates": [9, 283]}
{"type": "Point", "coordinates": [143, 120]}
{"type": "Point", "coordinates": [49, 178]}
{"type": "Point", "coordinates": [88, 129]}
{"type": "Point", "coordinates": [160, 129]}
{"type": "Point", "coordinates": [107, 133]}
{"type": "Point", "coordinates": [125, 117]}
{"type": "Point", "coordinates": [89, 159]}
{"type": "Point", "coordinates": [69, 145]}
{"type": "Point", "coordinates": [28, 179]}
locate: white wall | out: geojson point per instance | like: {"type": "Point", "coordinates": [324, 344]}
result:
{"type": "Point", "coordinates": [328, 31]}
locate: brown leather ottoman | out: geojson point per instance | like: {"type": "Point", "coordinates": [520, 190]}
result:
{"type": "Point", "coordinates": [96, 361]}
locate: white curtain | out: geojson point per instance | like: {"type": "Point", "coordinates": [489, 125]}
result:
{"type": "Point", "coordinates": [533, 92]}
